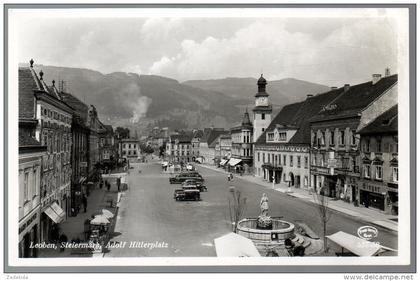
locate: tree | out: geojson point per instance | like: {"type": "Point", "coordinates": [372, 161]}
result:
{"type": "Point", "coordinates": [236, 207]}
{"type": "Point", "coordinates": [324, 212]}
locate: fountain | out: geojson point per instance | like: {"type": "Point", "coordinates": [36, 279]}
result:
{"type": "Point", "coordinates": [266, 229]}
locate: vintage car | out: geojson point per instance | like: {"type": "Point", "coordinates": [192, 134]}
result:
{"type": "Point", "coordinates": [183, 177]}
{"type": "Point", "coordinates": [194, 184]}
{"type": "Point", "coordinates": [186, 194]}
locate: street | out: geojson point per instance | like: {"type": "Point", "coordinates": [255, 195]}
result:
{"type": "Point", "coordinates": [149, 214]}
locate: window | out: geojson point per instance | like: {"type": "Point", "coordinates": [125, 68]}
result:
{"type": "Point", "coordinates": [291, 160]}
{"type": "Point", "coordinates": [270, 136]}
{"type": "Point", "coordinates": [342, 137]}
{"type": "Point", "coordinates": [367, 171]}
{"type": "Point", "coordinates": [263, 157]}
{"type": "Point", "coordinates": [282, 136]}
{"type": "Point", "coordinates": [378, 174]}
{"type": "Point", "coordinates": [268, 157]}
{"type": "Point", "coordinates": [25, 187]}
{"type": "Point", "coordinates": [306, 162]}
{"type": "Point", "coordinates": [258, 155]}
{"type": "Point", "coordinates": [263, 129]}
{"type": "Point", "coordinates": [395, 174]}
{"type": "Point", "coordinates": [275, 160]}
{"type": "Point", "coordinates": [284, 160]}
{"type": "Point", "coordinates": [353, 137]}
{"type": "Point", "coordinates": [332, 138]}
{"type": "Point", "coordinates": [129, 152]}
{"type": "Point", "coordinates": [298, 161]}
{"type": "Point", "coordinates": [367, 145]}
{"type": "Point", "coordinates": [322, 138]}
{"type": "Point", "coordinates": [263, 116]}
{"type": "Point", "coordinates": [378, 145]}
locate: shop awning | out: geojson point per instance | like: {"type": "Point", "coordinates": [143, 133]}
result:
{"type": "Point", "coordinates": [234, 245]}
{"type": "Point", "coordinates": [223, 162]}
{"type": "Point", "coordinates": [55, 213]}
{"type": "Point", "coordinates": [234, 161]}
{"type": "Point", "coordinates": [356, 245]}
{"type": "Point", "coordinates": [199, 159]}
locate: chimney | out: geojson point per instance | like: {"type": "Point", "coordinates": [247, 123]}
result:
{"type": "Point", "coordinates": [309, 96]}
{"type": "Point", "coordinates": [333, 88]}
{"type": "Point", "coordinates": [346, 87]}
{"type": "Point", "coordinates": [387, 72]}
{"type": "Point", "coordinates": [375, 78]}
{"type": "Point", "coordinates": [31, 63]}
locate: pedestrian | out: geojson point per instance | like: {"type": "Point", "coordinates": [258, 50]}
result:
{"type": "Point", "coordinates": [101, 184]}
{"type": "Point", "coordinates": [63, 240]}
{"type": "Point", "coordinates": [118, 183]}
{"type": "Point", "coordinates": [84, 202]}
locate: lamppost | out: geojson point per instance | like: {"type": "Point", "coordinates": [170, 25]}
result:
{"type": "Point", "coordinates": [273, 180]}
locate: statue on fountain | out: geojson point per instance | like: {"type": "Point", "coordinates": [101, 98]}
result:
{"type": "Point", "coordinates": [264, 221]}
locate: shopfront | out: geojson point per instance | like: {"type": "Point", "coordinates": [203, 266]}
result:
{"type": "Point", "coordinates": [29, 233]}
{"type": "Point", "coordinates": [373, 195]}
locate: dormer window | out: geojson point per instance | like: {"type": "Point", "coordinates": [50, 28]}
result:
{"type": "Point", "coordinates": [270, 136]}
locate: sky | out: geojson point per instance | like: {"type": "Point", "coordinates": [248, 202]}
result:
{"type": "Point", "coordinates": [330, 50]}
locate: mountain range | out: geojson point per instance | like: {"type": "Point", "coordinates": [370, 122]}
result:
{"type": "Point", "coordinates": [141, 102]}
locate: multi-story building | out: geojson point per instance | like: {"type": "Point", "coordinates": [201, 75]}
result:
{"type": "Point", "coordinates": [80, 149]}
{"type": "Point", "coordinates": [30, 165]}
{"type": "Point", "coordinates": [335, 161]}
{"type": "Point", "coordinates": [241, 139]}
{"type": "Point", "coordinates": [179, 148]}
{"type": "Point", "coordinates": [94, 125]}
{"type": "Point", "coordinates": [129, 149]}
{"type": "Point", "coordinates": [107, 147]}
{"type": "Point", "coordinates": [207, 147]}
{"type": "Point", "coordinates": [53, 130]}
{"type": "Point", "coordinates": [223, 148]}
{"type": "Point", "coordinates": [282, 151]}
{"type": "Point", "coordinates": [378, 184]}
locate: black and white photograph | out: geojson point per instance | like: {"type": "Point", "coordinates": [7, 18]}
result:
{"type": "Point", "coordinates": [209, 136]}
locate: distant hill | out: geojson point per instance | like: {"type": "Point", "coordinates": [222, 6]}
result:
{"type": "Point", "coordinates": [144, 101]}
{"type": "Point", "coordinates": [281, 92]}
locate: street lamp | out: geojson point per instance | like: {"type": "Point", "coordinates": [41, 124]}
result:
{"type": "Point", "coordinates": [273, 180]}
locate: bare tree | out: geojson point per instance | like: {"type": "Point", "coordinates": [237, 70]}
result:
{"type": "Point", "coordinates": [236, 207]}
{"type": "Point", "coordinates": [324, 213]}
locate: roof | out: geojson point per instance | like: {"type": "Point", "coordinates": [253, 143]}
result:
{"type": "Point", "coordinates": [386, 123]}
{"type": "Point", "coordinates": [213, 135]}
{"type": "Point", "coordinates": [27, 85]}
{"type": "Point", "coordinates": [181, 138]}
{"type": "Point", "coordinates": [80, 107]}
{"type": "Point", "coordinates": [352, 101]}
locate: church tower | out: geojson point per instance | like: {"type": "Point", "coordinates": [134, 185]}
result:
{"type": "Point", "coordinates": [262, 110]}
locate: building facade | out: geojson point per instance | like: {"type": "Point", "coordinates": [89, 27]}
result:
{"type": "Point", "coordinates": [79, 150]}
{"type": "Point", "coordinates": [335, 149]}
{"type": "Point", "coordinates": [129, 149]}
{"type": "Point", "coordinates": [378, 184]}
{"type": "Point", "coordinates": [242, 148]}
{"type": "Point", "coordinates": [282, 152]}
{"type": "Point", "coordinates": [179, 148]}
{"type": "Point", "coordinates": [30, 164]}
{"type": "Point", "coordinates": [53, 130]}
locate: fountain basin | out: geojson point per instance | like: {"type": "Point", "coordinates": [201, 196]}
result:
{"type": "Point", "coordinates": [280, 229]}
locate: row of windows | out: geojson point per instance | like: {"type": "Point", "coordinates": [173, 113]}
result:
{"type": "Point", "coordinates": [30, 181]}
{"type": "Point", "coordinates": [129, 152]}
{"type": "Point", "coordinates": [281, 159]}
{"type": "Point", "coordinates": [332, 138]}
{"type": "Point", "coordinates": [376, 144]}
{"type": "Point", "coordinates": [281, 136]}
{"type": "Point", "coordinates": [129, 145]}
{"type": "Point", "coordinates": [55, 115]}
{"type": "Point", "coordinates": [56, 141]}
{"type": "Point", "coordinates": [376, 172]}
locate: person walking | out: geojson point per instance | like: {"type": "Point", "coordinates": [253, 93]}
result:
{"type": "Point", "coordinates": [118, 183]}
{"type": "Point", "coordinates": [84, 202]}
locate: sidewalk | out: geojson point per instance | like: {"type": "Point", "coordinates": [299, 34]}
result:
{"type": "Point", "coordinates": [73, 227]}
{"type": "Point", "coordinates": [367, 215]}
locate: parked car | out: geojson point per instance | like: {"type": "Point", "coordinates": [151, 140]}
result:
{"type": "Point", "coordinates": [181, 178]}
{"type": "Point", "coordinates": [186, 194]}
{"type": "Point", "coordinates": [194, 184]}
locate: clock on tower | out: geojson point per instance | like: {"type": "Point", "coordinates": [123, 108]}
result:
{"type": "Point", "coordinates": [262, 110]}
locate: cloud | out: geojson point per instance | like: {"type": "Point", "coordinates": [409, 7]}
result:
{"type": "Point", "coordinates": [140, 108]}
{"type": "Point", "coordinates": [347, 53]}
